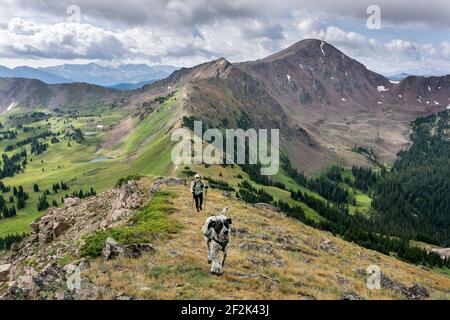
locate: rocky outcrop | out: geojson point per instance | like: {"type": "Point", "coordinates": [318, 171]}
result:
{"type": "Point", "coordinates": [54, 282]}
{"type": "Point", "coordinates": [416, 292]}
{"type": "Point", "coordinates": [60, 232]}
{"type": "Point", "coordinates": [71, 201]}
{"type": "Point", "coordinates": [49, 227]}
{"type": "Point", "coordinates": [113, 249]}
{"type": "Point", "coordinates": [33, 285]}
{"type": "Point", "coordinates": [162, 181]}
{"type": "Point", "coordinates": [351, 295]}
{"type": "Point", "coordinates": [125, 199]}
{"type": "Point", "coordinates": [265, 248]}
{"type": "Point", "coordinates": [135, 250]}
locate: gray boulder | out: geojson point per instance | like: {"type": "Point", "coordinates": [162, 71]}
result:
{"type": "Point", "coordinates": [161, 181]}
{"type": "Point", "coordinates": [351, 295]}
{"type": "Point", "coordinates": [113, 249]}
{"type": "Point", "coordinates": [417, 292]}
{"type": "Point", "coordinates": [4, 272]}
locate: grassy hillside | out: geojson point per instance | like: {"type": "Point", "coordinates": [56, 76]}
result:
{"type": "Point", "coordinates": [271, 257]}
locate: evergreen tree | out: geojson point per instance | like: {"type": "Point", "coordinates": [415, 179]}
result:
{"type": "Point", "coordinates": [42, 202]}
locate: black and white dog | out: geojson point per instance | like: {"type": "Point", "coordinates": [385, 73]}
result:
{"type": "Point", "coordinates": [216, 231]}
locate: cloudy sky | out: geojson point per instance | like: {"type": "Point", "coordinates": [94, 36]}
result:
{"type": "Point", "coordinates": [414, 37]}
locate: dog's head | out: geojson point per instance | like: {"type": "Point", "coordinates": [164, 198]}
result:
{"type": "Point", "coordinates": [222, 227]}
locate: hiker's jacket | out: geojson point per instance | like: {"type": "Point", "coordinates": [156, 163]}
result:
{"type": "Point", "coordinates": [197, 187]}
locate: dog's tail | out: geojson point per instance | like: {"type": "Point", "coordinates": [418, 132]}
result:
{"type": "Point", "coordinates": [225, 210]}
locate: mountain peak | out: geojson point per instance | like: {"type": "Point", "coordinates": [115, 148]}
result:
{"type": "Point", "coordinates": [221, 62]}
{"type": "Point", "coordinates": [213, 69]}
{"type": "Point", "coordinates": [307, 48]}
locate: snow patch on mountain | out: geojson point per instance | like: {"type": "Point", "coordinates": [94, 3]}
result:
{"type": "Point", "coordinates": [11, 106]}
{"type": "Point", "coordinates": [321, 48]}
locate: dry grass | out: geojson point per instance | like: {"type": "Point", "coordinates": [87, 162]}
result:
{"type": "Point", "coordinates": [179, 269]}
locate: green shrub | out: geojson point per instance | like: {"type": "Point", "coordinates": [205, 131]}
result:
{"type": "Point", "coordinates": [188, 173]}
{"type": "Point", "coordinates": [95, 242]}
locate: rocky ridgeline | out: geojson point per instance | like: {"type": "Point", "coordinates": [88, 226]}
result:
{"type": "Point", "coordinates": [36, 269]}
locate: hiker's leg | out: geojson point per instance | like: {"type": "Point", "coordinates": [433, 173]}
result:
{"type": "Point", "coordinates": [196, 201]}
{"type": "Point", "coordinates": [200, 197]}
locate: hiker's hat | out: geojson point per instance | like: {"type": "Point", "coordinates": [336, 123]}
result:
{"type": "Point", "coordinates": [197, 176]}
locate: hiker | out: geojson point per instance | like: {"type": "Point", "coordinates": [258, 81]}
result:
{"type": "Point", "coordinates": [197, 187]}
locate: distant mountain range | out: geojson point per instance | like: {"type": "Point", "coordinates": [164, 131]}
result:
{"type": "Point", "coordinates": [32, 73]}
{"type": "Point", "coordinates": [398, 77]}
{"type": "Point", "coordinates": [423, 71]}
{"type": "Point", "coordinates": [324, 102]}
{"type": "Point", "coordinates": [122, 77]}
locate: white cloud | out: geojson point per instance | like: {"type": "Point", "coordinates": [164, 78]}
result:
{"type": "Point", "coordinates": [62, 40]}
{"type": "Point", "coordinates": [185, 33]}
{"type": "Point", "coordinates": [28, 39]}
{"type": "Point", "coordinates": [445, 49]}
{"type": "Point", "coordinates": [189, 12]}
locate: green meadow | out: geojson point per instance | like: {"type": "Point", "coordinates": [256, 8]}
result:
{"type": "Point", "coordinates": [144, 150]}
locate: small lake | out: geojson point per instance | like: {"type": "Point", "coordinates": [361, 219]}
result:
{"type": "Point", "coordinates": [98, 159]}
{"type": "Point", "coordinates": [90, 133]}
